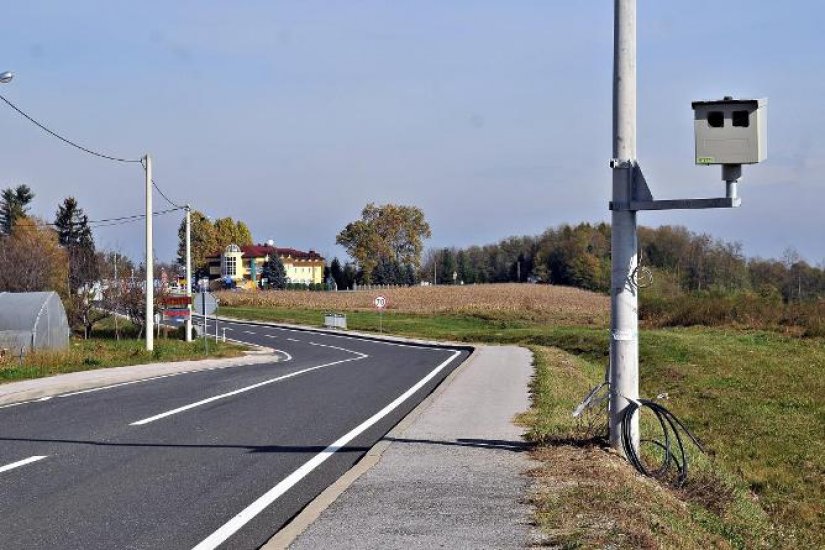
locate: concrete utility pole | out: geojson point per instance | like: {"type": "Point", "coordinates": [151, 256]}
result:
{"type": "Point", "coordinates": [624, 319]}
{"type": "Point", "coordinates": [189, 271]}
{"type": "Point", "coordinates": [150, 264]}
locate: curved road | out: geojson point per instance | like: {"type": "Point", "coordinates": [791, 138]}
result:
{"type": "Point", "coordinates": [217, 458]}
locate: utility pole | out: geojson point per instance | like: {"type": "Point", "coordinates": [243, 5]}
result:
{"type": "Point", "coordinates": [189, 271]}
{"type": "Point", "coordinates": [624, 317]}
{"type": "Point", "coordinates": [150, 264]}
{"type": "Point", "coordinates": [117, 300]}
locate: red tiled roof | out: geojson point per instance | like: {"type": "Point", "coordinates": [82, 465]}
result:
{"type": "Point", "coordinates": [261, 250]}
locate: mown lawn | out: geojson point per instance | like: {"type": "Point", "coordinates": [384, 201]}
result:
{"type": "Point", "coordinates": [756, 399]}
{"type": "Point", "coordinates": [104, 350]}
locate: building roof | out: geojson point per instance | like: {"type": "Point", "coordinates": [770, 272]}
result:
{"type": "Point", "coordinates": [261, 250]}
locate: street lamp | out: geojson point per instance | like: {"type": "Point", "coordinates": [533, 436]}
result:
{"type": "Point", "coordinates": [6, 77]}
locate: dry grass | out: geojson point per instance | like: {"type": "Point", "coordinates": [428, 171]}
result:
{"type": "Point", "coordinates": [496, 301]}
{"type": "Point", "coordinates": [586, 496]}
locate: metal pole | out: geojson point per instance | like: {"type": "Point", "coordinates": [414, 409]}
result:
{"type": "Point", "coordinates": [624, 320]}
{"type": "Point", "coordinates": [117, 300]}
{"type": "Point", "coordinates": [189, 271]}
{"type": "Point", "coordinates": [150, 265]}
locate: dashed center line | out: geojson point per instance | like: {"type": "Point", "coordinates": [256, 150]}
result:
{"type": "Point", "coordinates": [249, 332]}
{"type": "Point", "coordinates": [293, 340]}
{"type": "Point", "coordinates": [19, 463]}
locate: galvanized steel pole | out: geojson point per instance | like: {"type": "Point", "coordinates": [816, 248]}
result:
{"type": "Point", "coordinates": [624, 320]}
{"type": "Point", "coordinates": [189, 271]}
{"type": "Point", "coordinates": [150, 264]}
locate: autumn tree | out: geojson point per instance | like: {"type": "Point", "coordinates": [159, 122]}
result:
{"type": "Point", "coordinates": [209, 238]}
{"type": "Point", "coordinates": [229, 231]}
{"type": "Point", "coordinates": [32, 260]}
{"type": "Point", "coordinates": [385, 233]}
{"type": "Point", "coordinates": [204, 242]}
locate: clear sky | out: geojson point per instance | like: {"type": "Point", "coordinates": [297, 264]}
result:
{"type": "Point", "coordinates": [492, 116]}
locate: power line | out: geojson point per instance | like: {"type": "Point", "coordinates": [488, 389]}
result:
{"type": "Point", "coordinates": [63, 139]}
{"type": "Point", "coordinates": [104, 222]}
{"type": "Point", "coordinates": [167, 199]}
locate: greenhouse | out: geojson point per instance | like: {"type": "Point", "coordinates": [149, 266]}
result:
{"type": "Point", "coordinates": [32, 320]}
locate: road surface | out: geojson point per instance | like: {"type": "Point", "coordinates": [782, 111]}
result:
{"type": "Point", "coordinates": [219, 458]}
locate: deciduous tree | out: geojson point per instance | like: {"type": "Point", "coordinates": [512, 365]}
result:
{"type": "Point", "coordinates": [387, 232]}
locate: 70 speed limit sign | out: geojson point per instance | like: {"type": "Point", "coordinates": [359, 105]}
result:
{"type": "Point", "coordinates": [380, 302]}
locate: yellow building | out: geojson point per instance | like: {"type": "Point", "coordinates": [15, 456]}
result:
{"type": "Point", "coordinates": [243, 265]}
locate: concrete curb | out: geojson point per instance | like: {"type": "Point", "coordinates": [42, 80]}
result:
{"type": "Point", "coordinates": [25, 391]}
{"type": "Point", "coordinates": [312, 511]}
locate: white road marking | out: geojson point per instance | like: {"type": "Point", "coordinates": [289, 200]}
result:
{"type": "Point", "coordinates": [159, 377]}
{"type": "Point", "coordinates": [293, 340]}
{"type": "Point", "coordinates": [228, 328]}
{"type": "Point", "coordinates": [236, 523]}
{"type": "Point", "coordinates": [330, 335]}
{"type": "Point", "coordinates": [270, 335]}
{"type": "Point", "coordinates": [19, 463]}
{"type": "Point", "coordinates": [242, 390]}
{"type": "Point", "coordinates": [249, 332]}
{"type": "Point", "coordinates": [335, 347]}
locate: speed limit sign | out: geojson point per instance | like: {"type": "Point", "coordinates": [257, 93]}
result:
{"type": "Point", "coordinates": [380, 302]}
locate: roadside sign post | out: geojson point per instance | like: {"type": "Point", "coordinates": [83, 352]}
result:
{"type": "Point", "coordinates": [203, 312]}
{"type": "Point", "coordinates": [380, 303]}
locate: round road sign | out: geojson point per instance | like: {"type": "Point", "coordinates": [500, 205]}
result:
{"type": "Point", "coordinates": [380, 302]}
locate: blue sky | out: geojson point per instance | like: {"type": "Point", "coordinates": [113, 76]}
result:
{"type": "Point", "coordinates": [494, 117]}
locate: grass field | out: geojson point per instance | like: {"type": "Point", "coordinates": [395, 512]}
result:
{"type": "Point", "coordinates": [103, 350]}
{"type": "Point", "coordinates": [755, 398]}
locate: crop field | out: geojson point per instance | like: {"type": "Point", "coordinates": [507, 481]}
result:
{"type": "Point", "coordinates": [496, 301]}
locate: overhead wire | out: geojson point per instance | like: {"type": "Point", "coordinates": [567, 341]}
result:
{"type": "Point", "coordinates": [64, 139]}
{"type": "Point", "coordinates": [51, 132]}
{"type": "Point", "coordinates": [104, 222]}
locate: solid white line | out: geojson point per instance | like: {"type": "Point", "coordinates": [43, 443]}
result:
{"type": "Point", "coordinates": [239, 391]}
{"type": "Point", "coordinates": [19, 463]}
{"type": "Point", "coordinates": [233, 525]}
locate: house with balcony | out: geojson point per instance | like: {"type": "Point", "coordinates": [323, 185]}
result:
{"type": "Point", "coordinates": [243, 265]}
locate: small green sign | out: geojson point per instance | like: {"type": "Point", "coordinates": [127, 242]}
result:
{"type": "Point", "coordinates": [704, 160]}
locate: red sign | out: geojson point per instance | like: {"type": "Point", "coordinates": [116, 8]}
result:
{"type": "Point", "coordinates": [170, 313]}
{"type": "Point", "coordinates": [177, 301]}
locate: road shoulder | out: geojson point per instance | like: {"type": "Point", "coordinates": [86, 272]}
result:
{"type": "Point", "coordinates": [450, 474]}
{"type": "Point", "coordinates": [43, 388]}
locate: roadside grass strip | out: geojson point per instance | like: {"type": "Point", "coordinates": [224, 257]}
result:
{"type": "Point", "coordinates": [245, 389]}
{"type": "Point", "coordinates": [247, 514]}
{"type": "Point", "coordinates": [20, 463]}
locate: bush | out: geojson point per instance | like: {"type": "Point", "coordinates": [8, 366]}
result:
{"type": "Point", "coordinates": [764, 311]}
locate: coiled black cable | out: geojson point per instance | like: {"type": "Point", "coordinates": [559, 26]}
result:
{"type": "Point", "coordinates": [672, 446]}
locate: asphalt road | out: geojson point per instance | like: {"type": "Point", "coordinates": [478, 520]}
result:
{"type": "Point", "coordinates": [219, 458]}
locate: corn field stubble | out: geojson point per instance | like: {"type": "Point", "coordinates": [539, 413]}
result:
{"type": "Point", "coordinates": [569, 306]}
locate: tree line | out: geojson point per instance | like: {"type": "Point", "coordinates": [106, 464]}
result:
{"type": "Point", "coordinates": [579, 255]}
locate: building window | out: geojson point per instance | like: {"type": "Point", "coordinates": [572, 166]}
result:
{"type": "Point", "coordinates": [230, 266]}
